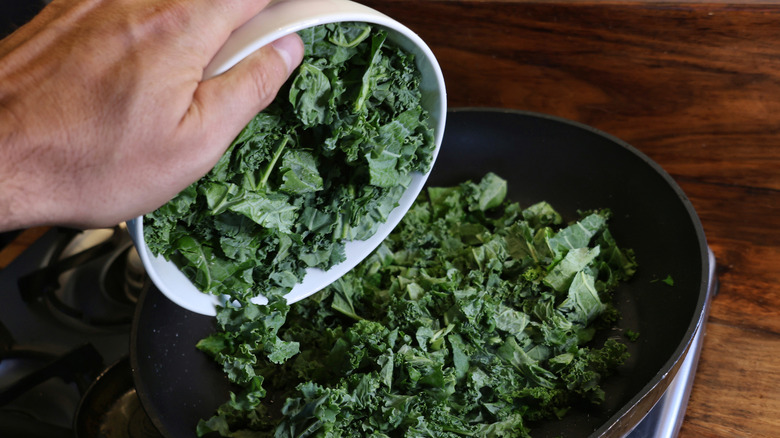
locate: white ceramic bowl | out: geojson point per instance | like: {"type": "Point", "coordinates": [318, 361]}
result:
{"type": "Point", "coordinates": [280, 18]}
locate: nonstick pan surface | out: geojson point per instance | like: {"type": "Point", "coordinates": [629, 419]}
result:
{"type": "Point", "coordinates": [571, 166]}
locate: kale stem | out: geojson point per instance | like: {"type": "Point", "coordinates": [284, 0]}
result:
{"type": "Point", "coordinates": [355, 41]}
{"type": "Point", "coordinates": [365, 89]}
{"type": "Point", "coordinates": [272, 164]}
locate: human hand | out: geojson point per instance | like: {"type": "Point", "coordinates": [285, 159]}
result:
{"type": "Point", "coordinates": [104, 114]}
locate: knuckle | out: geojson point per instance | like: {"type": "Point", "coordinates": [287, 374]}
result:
{"type": "Point", "coordinates": [163, 18]}
{"type": "Point", "coordinates": [267, 76]}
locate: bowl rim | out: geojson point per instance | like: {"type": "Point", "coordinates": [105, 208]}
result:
{"type": "Point", "coordinates": [245, 40]}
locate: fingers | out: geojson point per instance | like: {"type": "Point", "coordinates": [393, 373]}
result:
{"type": "Point", "coordinates": [223, 105]}
{"type": "Point", "coordinates": [40, 21]}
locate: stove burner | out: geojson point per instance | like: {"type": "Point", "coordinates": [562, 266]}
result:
{"type": "Point", "coordinates": [125, 277]}
{"type": "Point", "coordinates": [136, 280]}
{"type": "Point", "coordinates": [70, 301]}
{"type": "Point", "coordinates": [127, 419]}
{"type": "Point", "coordinates": [111, 407]}
{"type": "Point", "coordinates": [40, 390]}
{"type": "Point", "coordinates": [92, 278]}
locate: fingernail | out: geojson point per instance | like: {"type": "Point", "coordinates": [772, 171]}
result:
{"type": "Point", "coordinates": [290, 48]}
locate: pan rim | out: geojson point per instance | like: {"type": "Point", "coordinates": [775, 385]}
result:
{"type": "Point", "coordinates": [140, 388]}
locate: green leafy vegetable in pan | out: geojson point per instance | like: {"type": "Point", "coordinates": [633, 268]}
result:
{"type": "Point", "coordinates": [325, 163]}
{"type": "Point", "coordinates": [474, 318]}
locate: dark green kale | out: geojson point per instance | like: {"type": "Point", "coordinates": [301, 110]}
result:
{"type": "Point", "coordinates": [325, 163]}
{"type": "Point", "coordinates": [472, 319]}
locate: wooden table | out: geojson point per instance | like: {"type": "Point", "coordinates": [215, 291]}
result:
{"type": "Point", "coordinates": [695, 86]}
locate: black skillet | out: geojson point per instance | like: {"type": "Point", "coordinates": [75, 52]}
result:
{"type": "Point", "coordinates": [572, 166]}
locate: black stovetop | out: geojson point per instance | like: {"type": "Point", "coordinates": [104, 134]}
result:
{"type": "Point", "coordinates": [59, 328]}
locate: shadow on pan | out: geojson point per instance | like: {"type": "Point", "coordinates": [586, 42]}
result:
{"type": "Point", "coordinates": [569, 165]}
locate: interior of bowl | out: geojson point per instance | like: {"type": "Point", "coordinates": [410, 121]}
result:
{"type": "Point", "coordinates": [281, 18]}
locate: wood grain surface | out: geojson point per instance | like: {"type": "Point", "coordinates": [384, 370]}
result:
{"type": "Point", "coordinates": [694, 85]}
{"type": "Point", "coordinates": [20, 243]}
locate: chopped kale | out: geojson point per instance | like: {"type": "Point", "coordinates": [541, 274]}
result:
{"type": "Point", "coordinates": [325, 163]}
{"type": "Point", "coordinates": [474, 318]}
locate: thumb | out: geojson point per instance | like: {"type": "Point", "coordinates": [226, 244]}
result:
{"type": "Point", "coordinates": [224, 104]}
